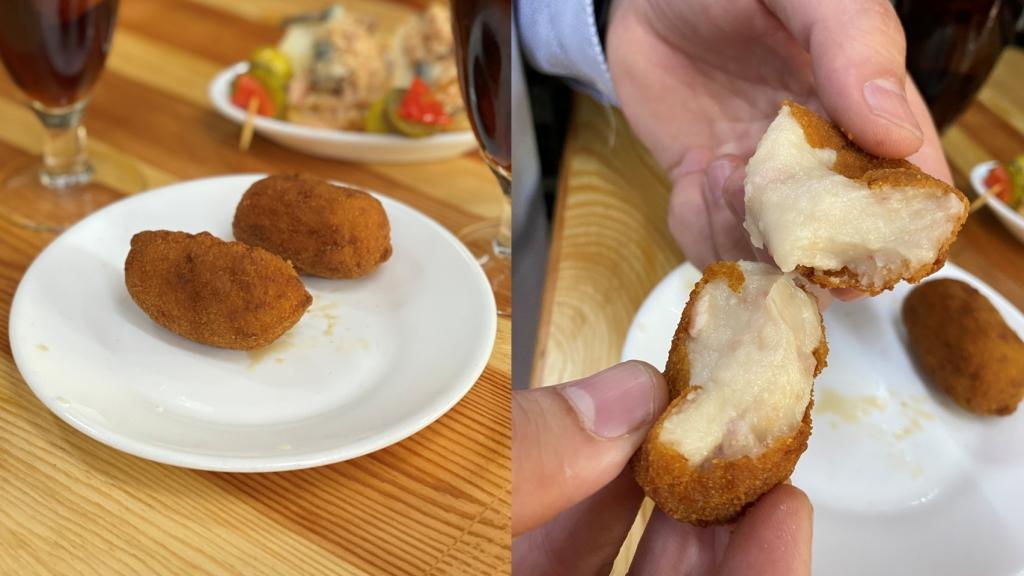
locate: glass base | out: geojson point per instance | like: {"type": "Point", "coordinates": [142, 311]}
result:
{"type": "Point", "coordinates": [29, 202]}
{"type": "Point", "coordinates": [496, 261]}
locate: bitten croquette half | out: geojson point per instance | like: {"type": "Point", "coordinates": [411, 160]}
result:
{"type": "Point", "coordinates": [740, 372]}
{"type": "Point", "coordinates": [223, 294]}
{"type": "Point", "coordinates": [323, 229]}
{"type": "Point", "coordinates": [841, 217]}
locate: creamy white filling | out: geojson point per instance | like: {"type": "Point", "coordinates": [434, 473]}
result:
{"type": "Point", "coordinates": [806, 214]}
{"type": "Point", "coordinates": [751, 366]}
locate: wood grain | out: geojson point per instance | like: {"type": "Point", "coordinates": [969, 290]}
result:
{"type": "Point", "coordinates": [609, 238]}
{"type": "Point", "coordinates": [610, 243]}
{"type": "Point", "coordinates": [436, 503]}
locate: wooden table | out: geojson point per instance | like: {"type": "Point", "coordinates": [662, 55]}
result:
{"type": "Point", "coordinates": [436, 503]}
{"type": "Point", "coordinates": [611, 244]}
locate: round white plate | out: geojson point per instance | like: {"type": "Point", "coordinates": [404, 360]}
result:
{"type": "Point", "coordinates": [340, 144]}
{"type": "Point", "coordinates": [1010, 218]}
{"type": "Point", "coordinates": [902, 480]}
{"type": "Point", "coordinates": [373, 361]}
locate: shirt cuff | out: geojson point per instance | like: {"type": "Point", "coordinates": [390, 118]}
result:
{"type": "Point", "coordinates": [560, 38]}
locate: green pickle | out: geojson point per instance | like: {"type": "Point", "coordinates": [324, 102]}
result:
{"type": "Point", "coordinates": [1016, 170]}
{"type": "Point", "coordinates": [402, 126]}
{"type": "Point", "coordinates": [275, 89]}
{"type": "Point", "coordinates": [273, 61]}
{"type": "Point", "coordinates": [375, 119]}
{"type": "Point", "coordinates": [273, 70]}
{"type": "Point", "coordinates": [383, 117]}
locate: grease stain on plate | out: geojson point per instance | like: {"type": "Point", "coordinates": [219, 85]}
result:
{"type": "Point", "coordinates": [848, 408]}
{"type": "Point", "coordinates": [858, 409]}
{"type": "Point", "coordinates": [328, 312]}
{"type": "Point", "coordinates": [257, 356]}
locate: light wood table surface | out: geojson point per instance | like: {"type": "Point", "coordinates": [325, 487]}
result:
{"type": "Point", "coordinates": [436, 503]}
{"type": "Point", "coordinates": [611, 244]}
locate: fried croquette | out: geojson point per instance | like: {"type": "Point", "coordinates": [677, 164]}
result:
{"type": "Point", "coordinates": [325, 230]}
{"type": "Point", "coordinates": [841, 217]}
{"type": "Point", "coordinates": [740, 372]}
{"type": "Point", "coordinates": [965, 347]}
{"type": "Point", "coordinates": [223, 294]}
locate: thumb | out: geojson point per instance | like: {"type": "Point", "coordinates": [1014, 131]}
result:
{"type": "Point", "coordinates": [857, 52]}
{"type": "Point", "coordinates": [568, 441]}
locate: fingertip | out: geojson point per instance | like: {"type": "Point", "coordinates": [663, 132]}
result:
{"type": "Point", "coordinates": [773, 537]}
{"type": "Point", "coordinates": [886, 100]}
{"type": "Point", "coordinates": [858, 55]}
{"type": "Point", "coordinates": [795, 499]}
{"type": "Point", "coordinates": [875, 115]}
{"type": "Point", "coordinates": [672, 547]}
{"type": "Point", "coordinates": [598, 422]}
{"type": "Point", "coordinates": [733, 194]}
{"type": "Point", "coordinates": [719, 171]}
{"type": "Point", "coordinates": [787, 504]}
{"type": "Point", "coordinates": [695, 160]}
{"type": "Point", "coordinates": [789, 495]}
{"type": "Point", "coordinates": [688, 217]}
{"type": "Point", "coordinates": [617, 402]}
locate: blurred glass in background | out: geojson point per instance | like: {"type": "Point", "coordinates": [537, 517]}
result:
{"type": "Point", "coordinates": [952, 45]}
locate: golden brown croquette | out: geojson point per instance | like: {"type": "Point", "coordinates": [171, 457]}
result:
{"type": "Point", "coordinates": [223, 294]}
{"type": "Point", "coordinates": [755, 447]}
{"type": "Point", "coordinates": [323, 229]}
{"type": "Point", "coordinates": [965, 347]}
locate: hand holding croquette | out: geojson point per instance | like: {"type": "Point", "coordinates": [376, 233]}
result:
{"type": "Point", "coordinates": [223, 294]}
{"type": "Point", "coordinates": [323, 229]}
{"type": "Point", "coordinates": [570, 445]}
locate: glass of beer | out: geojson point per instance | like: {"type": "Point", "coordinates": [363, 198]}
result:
{"type": "Point", "coordinates": [482, 32]}
{"type": "Point", "coordinates": [54, 50]}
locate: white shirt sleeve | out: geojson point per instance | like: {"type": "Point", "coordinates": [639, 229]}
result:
{"type": "Point", "coordinates": [560, 38]}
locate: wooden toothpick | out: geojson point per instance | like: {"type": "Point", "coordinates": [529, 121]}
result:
{"type": "Point", "coordinates": [247, 128]}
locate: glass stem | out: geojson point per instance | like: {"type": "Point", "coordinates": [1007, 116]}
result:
{"type": "Point", "coordinates": [65, 163]}
{"type": "Point", "coordinates": [503, 242]}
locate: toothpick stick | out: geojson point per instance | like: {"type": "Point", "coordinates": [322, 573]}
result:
{"type": "Point", "coordinates": [983, 199]}
{"type": "Point", "coordinates": [247, 128]}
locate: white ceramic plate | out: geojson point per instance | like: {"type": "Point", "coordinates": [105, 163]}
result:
{"type": "Point", "coordinates": [1010, 218]}
{"type": "Point", "coordinates": [372, 362]}
{"type": "Point", "coordinates": [902, 480]}
{"type": "Point", "coordinates": [340, 144]}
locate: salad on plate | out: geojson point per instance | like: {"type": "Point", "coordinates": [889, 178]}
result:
{"type": "Point", "coordinates": [335, 70]}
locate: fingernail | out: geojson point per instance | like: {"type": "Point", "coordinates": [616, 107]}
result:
{"type": "Point", "coordinates": [717, 172]}
{"type": "Point", "coordinates": [614, 402]}
{"type": "Point", "coordinates": [887, 100]}
{"type": "Point", "coordinates": [732, 191]}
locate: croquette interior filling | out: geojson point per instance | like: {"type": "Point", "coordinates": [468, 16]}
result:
{"type": "Point", "coordinates": [808, 215]}
{"type": "Point", "coordinates": [751, 358]}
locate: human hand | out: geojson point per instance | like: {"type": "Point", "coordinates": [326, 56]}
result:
{"type": "Point", "coordinates": [699, 82]}
{"type": "Point", "coordinates": [574, 497]}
